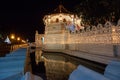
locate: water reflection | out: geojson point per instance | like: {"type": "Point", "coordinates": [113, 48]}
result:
{"type": "Point", "coordinates": [58, 69]}
{"type": "Point", "coordinates": [56, 66]}
{"type": "Point", "coordinates": [59, 66]}
{"type": "Point", "coordinates": [38, 57]}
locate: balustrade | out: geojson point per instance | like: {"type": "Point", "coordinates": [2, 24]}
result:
{"type": "Point", "coordinates": [107, 34]}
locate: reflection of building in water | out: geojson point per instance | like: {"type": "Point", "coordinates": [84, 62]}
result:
{"type": "Point", "coordinates": [63, 31]}
{"type": "Point", "coordinates": [38, 55]}
{"type": "Point", "coordinates": [57, 68]}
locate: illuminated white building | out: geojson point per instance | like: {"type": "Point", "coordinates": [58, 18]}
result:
{"type": "Point", "coordinates": [64, 33]}
{"type": "Point", "coordinates": [57, 27]}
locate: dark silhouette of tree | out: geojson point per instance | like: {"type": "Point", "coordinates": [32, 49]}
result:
{"type": "Point", "coordinates": [94, 11]}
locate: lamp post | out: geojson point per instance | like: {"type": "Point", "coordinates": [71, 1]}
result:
{"type": "Point", "coordinates": [12, 37]}
{"type": "Point", "coordinates": [18, 40]}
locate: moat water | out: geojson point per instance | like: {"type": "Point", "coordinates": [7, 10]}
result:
{"type": "Point", "coordinates": [58, 66]}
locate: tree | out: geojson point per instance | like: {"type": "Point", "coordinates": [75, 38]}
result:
{"type": "Point", "coordinates": [94, 11]}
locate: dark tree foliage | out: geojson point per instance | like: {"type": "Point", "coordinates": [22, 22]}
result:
{"type": "Point", "coordinates": [98, 11]}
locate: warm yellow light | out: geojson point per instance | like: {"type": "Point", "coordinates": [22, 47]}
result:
{"type": "Point", "coordinates": [23, 41]}
{"type": "Point", "coordinates": [18, 38]}
{"type": "Point", "coordinates": [113, 29]}
{"type": "Point", "coordinates": [12, 36]}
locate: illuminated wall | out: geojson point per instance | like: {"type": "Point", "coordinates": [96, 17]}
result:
{"type": "Point", "coordinates": [38, 39]}
{"type": "Point", "coordinates": [98, 40]}
{"type": "Point", "coordinates": [55, 30]}
{"type": "Point", "coordinates": [102, 40]}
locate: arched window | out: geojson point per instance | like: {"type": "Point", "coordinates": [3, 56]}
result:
{"type": "Point", "coordinates": [64, 20]}
{"type": "Point", "coordinates": [57, 20]}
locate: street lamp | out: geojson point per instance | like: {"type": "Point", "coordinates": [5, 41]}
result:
{"type": "Point", "coordinates": [18, 38]}
{"type": "Point", "coordinates": [12, 36]}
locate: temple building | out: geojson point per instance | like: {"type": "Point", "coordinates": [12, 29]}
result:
{"type": "Point", "coordinates": [64, 32]}
{"type": "Point", "coordinates": [57, 26]}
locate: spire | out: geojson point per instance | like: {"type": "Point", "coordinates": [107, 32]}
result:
{"type": "Point", "coordinates": [7, 40]}
{"type": "Point", "coordinates": [60, 6]}
{"type": "Point", "coordinates": [61, 9]}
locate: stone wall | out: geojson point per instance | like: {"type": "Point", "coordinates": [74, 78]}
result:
{"type": "Point", "coordinates": [102, 40]}
{"type": "Point", "coordinates": [38, 39]}
{"type": "Point", "coordinates": [100, 49]}
{"type": "Point", "coordinates": [54, 41]}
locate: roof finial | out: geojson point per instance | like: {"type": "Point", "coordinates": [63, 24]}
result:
{"type": "Point", "coordinates": [60, 8]}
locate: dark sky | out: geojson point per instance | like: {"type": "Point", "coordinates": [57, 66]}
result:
{"type": "Point", "coordinates": [24, 17]}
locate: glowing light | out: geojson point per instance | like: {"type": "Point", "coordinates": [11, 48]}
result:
{"type": "Point", "coordinates": [113, 29]}
{"type": "Point", "coordinates": [49, 20]}
{"type": "Point", "coordinates": [18, 38]}
{"type": "Point", "coordinates": [12, 36]}
{"type": "Point", "coordinates": [23, 41]}
{"type": "Point", "coordinates": [72, 16]}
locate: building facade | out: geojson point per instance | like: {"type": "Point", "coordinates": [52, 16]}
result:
{"type": "Point", "coordinates": [57, 27]}
{"type": "Point", "coordinates": [63, 31]}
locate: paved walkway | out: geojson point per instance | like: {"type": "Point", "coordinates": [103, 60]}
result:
{"type": "Point", "coordinates": [12, 65]}
{"type": "Point", "coordinates": [16, 66]}
{"type": "Point", "coordinates": [89, 56]}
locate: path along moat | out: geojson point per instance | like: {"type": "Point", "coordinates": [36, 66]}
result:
{"type": "Point", "coordinates": [58, 66]}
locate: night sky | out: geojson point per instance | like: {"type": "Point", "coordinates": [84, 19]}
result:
{"type": "Point", "coordinates": [24, 17]}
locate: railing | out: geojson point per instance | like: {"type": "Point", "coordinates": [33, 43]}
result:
{"type": "Point", "coordinates": [6, 48]}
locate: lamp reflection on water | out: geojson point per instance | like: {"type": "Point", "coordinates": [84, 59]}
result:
{"type": "Point", "coordinates": [38, 55]}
